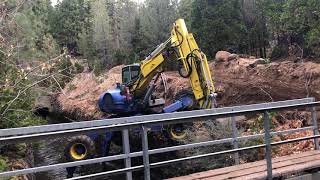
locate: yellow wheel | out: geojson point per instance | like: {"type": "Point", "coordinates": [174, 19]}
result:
{"type": "Point", "coordinates": [177, 132]}
{"type": "Point", "coordinates": [79, 148]}
{"type": "Point", "coordinates": [78, 151]}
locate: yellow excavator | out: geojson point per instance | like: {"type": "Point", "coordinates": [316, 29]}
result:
{"type": "Point", "coordinates": [135, 96]}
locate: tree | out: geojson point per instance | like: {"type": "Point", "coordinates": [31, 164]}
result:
{"type": "Point", "coordinates": [101, 30]}
{"type": "Point", "coordinates": [293, 24]}
{"type": "Point", "coordinates": [28, 68]}
{"type": "Point", "coordinates": [256, 37]}
{"type": "Point", "coordinates": [123, 15]}
{"type": "Point", "coordinates": [185, 11]}
{"type": "Point", "coordinates": [67, 22]}
{"type": "Point", "coordinates": [157, 18]}
{"type": "Point", "coordinates": [218, 25]}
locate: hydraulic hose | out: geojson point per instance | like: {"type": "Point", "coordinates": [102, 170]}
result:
{"type": "Point", "coordinates": [189, 64]}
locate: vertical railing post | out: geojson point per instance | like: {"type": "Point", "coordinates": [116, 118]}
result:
{"type": "Point", "coordinates": [146, 163]}
{"type": "Point", "coordinates": [315, 127]}
{"type": "Point", "coordinates": [126, 151]}
{"type": "Point", "coordinates": [267, 137]}
{"type": "Point", "coordinates": [268, 144]}
{"type": "Point", "coordinates": [235, 140]}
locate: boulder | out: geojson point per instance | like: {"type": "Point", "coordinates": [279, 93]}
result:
{"type": "Point", "coordinates": [222, 55]}
{"type": "Point", "coordinates": [233, 57]}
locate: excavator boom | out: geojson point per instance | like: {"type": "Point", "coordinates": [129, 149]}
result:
{"type": "Point", "coordinates": [139, 80]}
{"type": "Point", "coordinates": [195, 63]}
{"type": "Point", "coordinates": [191, 59]}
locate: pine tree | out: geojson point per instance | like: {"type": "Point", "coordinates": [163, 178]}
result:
{"type": "Point", "coordinates": [102, 31]}
{"type": "Point", "coordinates": [157, 18]}
{"type": "Point", "coordinates": [218, 25]}
{"type": "Point", "coordinates": [67, 22]}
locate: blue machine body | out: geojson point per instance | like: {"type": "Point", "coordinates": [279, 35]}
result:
{"type": "Point", "coordinates": [113, 102]}
{"type": "Point", "coordinates": [180, 104]}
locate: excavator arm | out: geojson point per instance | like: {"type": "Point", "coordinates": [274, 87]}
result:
{"type": "Point", "coordinates": [192, 64]}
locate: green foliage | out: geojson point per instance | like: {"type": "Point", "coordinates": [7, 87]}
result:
{"type": "Point", "coordinates": [258, 125]}
{"type": "Point", "coordinates": [30, 65]}
{"type": "Point", "coordinates": [78, 68]}
{"type": "Point", "coordinates": [156, 21]}
{"type": "Point", "coordinates": [236, 26]}
{"type": "Point", "coordinates": [185, 10]}
{"type": "Point", "coordinates": [3, 164]}
{"type": "Point", "coordinates": [98, 67]}
{"type": "Point", "coordinates": [294, 22]}
{"type": "Point", "coordinates": [67, 21]}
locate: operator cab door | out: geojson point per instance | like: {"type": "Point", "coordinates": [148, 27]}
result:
{"type": "Point", "coordinates": [130, 73]}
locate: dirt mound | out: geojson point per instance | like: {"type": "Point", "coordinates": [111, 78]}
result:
{"type": "Point", "coordinates": [238, 81]}
{"type": "Point", "coordinates": [246, 81]}
{"type": "Point", "coordinates": [79, 100]}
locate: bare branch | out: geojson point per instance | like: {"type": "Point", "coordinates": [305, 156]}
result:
{"type": "Point", "coordinates": [34, 68]}
{"type": "Point", "coordinates": [307, 84]}
{"type": "Point", "coordinates": [25, 89]}
{"type": "Point", "coordinates": [10, 103]}
{"type": "Point", "coordinates": [266, 93]}
{"type": "Point", "coordinates": [58, 84]}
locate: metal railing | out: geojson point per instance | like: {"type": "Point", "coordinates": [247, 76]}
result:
{"type": "Point", "coordinates": [27, 134]}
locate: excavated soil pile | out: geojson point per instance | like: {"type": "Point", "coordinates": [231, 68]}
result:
{"type": "Point", "coordinates": [79, 98]}
{"type": "Point", "coordinates": [239, 81]}
{"type": "Point", "coordinates": [246, 81]}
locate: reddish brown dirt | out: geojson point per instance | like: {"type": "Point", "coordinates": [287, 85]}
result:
{"type": "Point", "coordinates": [236, 81]}
{"type": "Point", "coordinates": [79, 100]}
{"type": "Point", "coordinates": [239, 83]}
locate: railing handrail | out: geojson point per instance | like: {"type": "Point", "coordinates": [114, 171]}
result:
{"type": "Point", "coordinates": [16, 135]}
{"type": "Point", "coordinates": [161, 118]}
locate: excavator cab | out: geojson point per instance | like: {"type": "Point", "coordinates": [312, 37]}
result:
{"type": "Point", "coordinates": [130, 73]}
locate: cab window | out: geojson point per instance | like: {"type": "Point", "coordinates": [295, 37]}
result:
{"type": "Point", "coordinates": [126, 75]}
{"type": "Point", "coordinates": [135, 70]}
{"type": "Point", "coordinates": [130, 73]}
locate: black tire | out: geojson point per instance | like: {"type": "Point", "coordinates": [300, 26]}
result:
{"type": "Point", "coordinates": [79, 148]}
{"type": "Point", "coordinates": [178, 132]}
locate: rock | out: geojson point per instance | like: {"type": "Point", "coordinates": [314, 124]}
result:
{"type": "Point", "coordinates": [244, 56]}
{"type": "Point", "coordinates": [259, 61]}
{"type": "Point", "coordinates": [245, 62]}
{"type": "Point", "coordinates": [233, 57]}
{"type": "Point", "coordinates": [251, 62]}
{"type": "Point", "coordinates": [222, 55]}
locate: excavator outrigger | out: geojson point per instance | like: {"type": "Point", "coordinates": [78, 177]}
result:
{"type": "Point", "coordinates": [135, 95]}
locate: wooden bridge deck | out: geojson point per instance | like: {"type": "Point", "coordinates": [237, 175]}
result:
{"type": "Point", "coordinates": [282, 167]}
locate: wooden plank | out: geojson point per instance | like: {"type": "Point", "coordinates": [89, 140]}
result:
{"type": "Point", "coordinates": [284, 171]}
{"type": "Point", "coordinates": [245, 168]}
{"type": "Point", "coordinates": [262, 169]}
